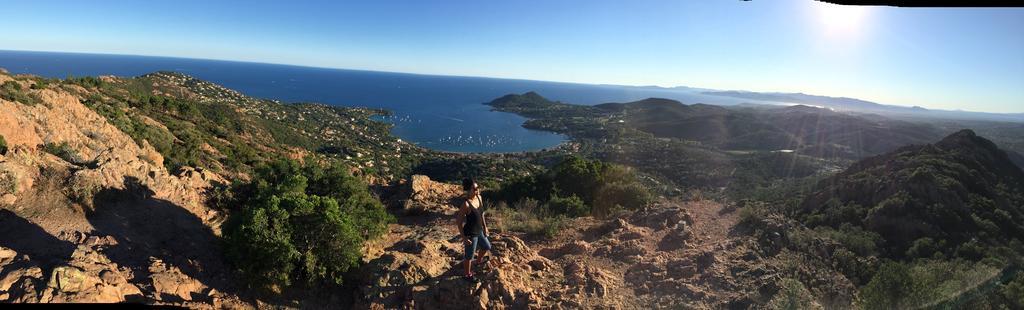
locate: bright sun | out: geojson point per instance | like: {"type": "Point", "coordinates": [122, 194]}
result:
{"type": "Point", "coordinates": [840, 20]}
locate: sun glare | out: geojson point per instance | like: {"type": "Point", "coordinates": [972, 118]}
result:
{"type": "Point", "coordinates": [841, 20]}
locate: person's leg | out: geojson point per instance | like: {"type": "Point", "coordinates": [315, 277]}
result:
{"type": "Point", "coordinates": [470, 249]}
{"type": "Point", "coordinates": [484, 248]}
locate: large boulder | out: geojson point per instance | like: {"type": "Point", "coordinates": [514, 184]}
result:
{"type": "Point", "coordinates": [170, 284]}
{"type": "Point", "coordinates": [422, 189]}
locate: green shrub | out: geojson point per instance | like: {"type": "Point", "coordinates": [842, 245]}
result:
{"type": "Point", "coordinates": [83, 191]}
{"type": "Point", "coordinates": [40, 83]}
{"type": "Point", "coordinates": [570, 206]}
{"type": "Point", "coordinates": [527, 216]}
{"type": "Point", "coordinates": [11, 91]}
{"type": "Point", "coordinates": [923, 248]}
{"type": "Point", "coordinates": [301, 223]}
{"type": "Point", "coordinates": [552, 225]}
{"type": "Point", "coordinates": [792, 295]}
{"type": "Point", "coordinates": [1013, 291]}
{"type": "Point", "coordinates": [3, 146]}
{"type": "Point", "coordinates": [577, 176]}
{"type": "Point", "coordinates": [858, 269]}
{"type": "Point", "coordinates": [860, 241]}
{"type": "Point", "coordinates": [890, 288]}
{"type": "Point", "coordinates": [8, 184]}
{"type": "Point", "coordinates": [62, 150]}
{"type": "Point", "coordinates": [925, 283]}
{"type": "Point", "coordinates": [620, 191]}
{"type": "Point", "coordinates": [752, 216]}
{"type": "Point", "coordinates": [87, 82]}
{"type": "Point", "coordinates": [579, 187]}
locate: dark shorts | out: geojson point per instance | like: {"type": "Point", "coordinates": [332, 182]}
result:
{"type": "Point", "coordinates": [479, 242]}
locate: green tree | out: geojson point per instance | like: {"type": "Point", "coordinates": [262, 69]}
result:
{"type": "Point", "coordinates": [888, 288]}
{"type": "Point", "coordinates": [570, 206]}
{"type": "Point", "coordinates": [301, 223]}
{"type": "Point", "coordinates": [580, 187]}
{"type": "Point", "coordinates": [577, 176]}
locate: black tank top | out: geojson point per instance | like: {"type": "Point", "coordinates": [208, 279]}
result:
{"type": "Point", "coordinates": [474, 222]}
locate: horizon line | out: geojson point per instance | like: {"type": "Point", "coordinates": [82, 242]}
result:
{"type": "Point", "coordinates": [486, 77]}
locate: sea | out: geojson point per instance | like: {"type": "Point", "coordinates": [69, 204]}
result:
{"type": "Point", "coordinates": [446, 113]}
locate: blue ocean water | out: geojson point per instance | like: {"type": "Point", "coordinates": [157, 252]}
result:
{"type": "Point", "coordinates": [439, 112]}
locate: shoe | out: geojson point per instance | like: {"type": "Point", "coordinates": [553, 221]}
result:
{"type": "Point", "coordinates": [470, 279]}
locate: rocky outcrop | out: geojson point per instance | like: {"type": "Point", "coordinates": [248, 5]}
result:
{"type": "Point", "coordinates": [170, 284]}
{"type": "Point", "coordinates": [78, 227]}
{"type": "Point", "coordinates": [19, 277]}
{"type": "Point", "coordinates": [101, 156]}
{"type": "Point", "coordinates": [423, 190]}
{"type": "Point", "coordinates": [88, 276]}
{"type": "Point", "coordinates": [419, 195]}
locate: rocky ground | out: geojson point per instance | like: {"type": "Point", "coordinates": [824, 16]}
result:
{"type": "Point", "coordinates": [104, 223]}
{"type": "Point", "coordinates": [674, 254]}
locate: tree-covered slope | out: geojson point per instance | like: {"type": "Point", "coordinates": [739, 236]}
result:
{"type": "Point", "coordinates": [807, 130]}
{"type": "Point", "coordinates": [958, 198]}
{"type": "Point", "coordinates": [196, 123]}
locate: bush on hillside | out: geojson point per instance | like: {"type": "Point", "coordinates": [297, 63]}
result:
{"type": "Point", "coordinates": [3, 146]}
{"type": "Point", "coordinates": [1013, 291]}
{"type": "Point", "coordinates": [87, 82]}
{"type": "Point", "coordinates": [184, 108]}
{"type": "Point", "coordinates": [791, 295]}
{"type": "Point", "coordinates": [526, 216]}
{"type": "Point", "coordinates": [62, 150]}
{"type": "Point", "coordinates": [12, 91]}
{"type": "Point", "coordinates": [8, 183]}
{"type": "Point", "coordinates": [570, 206]}
{"type": "Point", "coordinates": [579, 187]}
{"type": "Point", "coordinates": [301, 224]}
{"type": "Point", "coordinates": [41, 83]}
{"type": "Point", "coordinates": [958, 198]}
{"type": "Point", "coordinates": [925, 283]}
{"type": "Point", "coordinates": [620, 193]}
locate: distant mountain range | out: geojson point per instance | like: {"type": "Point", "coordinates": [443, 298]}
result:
{"type": "Point", "coordinates": [858, 105]}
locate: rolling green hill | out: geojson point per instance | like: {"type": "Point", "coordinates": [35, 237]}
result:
{"type": "Point", "coordinates": [962, 193]}
{"type": "Point", "coordinates": [807, 130]}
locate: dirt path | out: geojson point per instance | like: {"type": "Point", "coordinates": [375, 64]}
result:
{"type": "Point", "coordinates": [670, 255]}
{"type": "Point", "coordinates": [711, 225]}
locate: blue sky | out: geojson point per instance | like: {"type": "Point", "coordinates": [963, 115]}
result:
{"type": "Point", "coordinates": [971, 59]}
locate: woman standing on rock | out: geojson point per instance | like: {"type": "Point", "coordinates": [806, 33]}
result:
{"type": "Point", "coordinates": [473, 229]}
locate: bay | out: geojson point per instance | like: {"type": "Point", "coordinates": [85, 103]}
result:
{"type": "Point", "coordinates": [439, 112]}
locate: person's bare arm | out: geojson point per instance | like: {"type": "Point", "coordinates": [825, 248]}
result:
{"type": "Point", "coordinates": [460, 219]}
{"type": "Point", "coordinates": [483, 222]}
